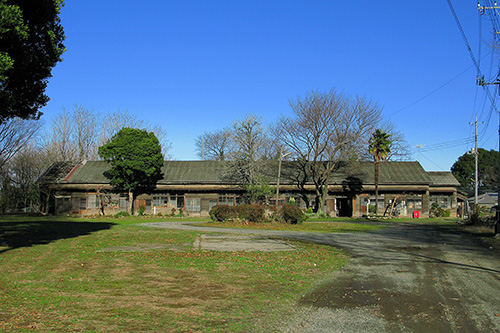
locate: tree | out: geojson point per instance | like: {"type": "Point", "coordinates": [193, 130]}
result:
{"type": "Point", "coordinates": [136, 162]}
{"type": "Point", "coordinates": [214, 146]}
{"type": "Point", "coordinates": [463, 169]}
{"type": "Point", "coordinates": [15, 133]}
{"type": "Point", "coordinates": [379, 147]}
{"type": "Point", "coordinates": [31, 44]}
{"type": "Point", "coordinates": [61, 145]}
{"type": "Point", "coordinates": [249, 139]}
{"type": "Point", "coordinates": [323, 133]}
{"type": "Point", "coordinates": [86, 132]}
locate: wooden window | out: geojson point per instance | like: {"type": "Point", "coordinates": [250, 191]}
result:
{"type": "Point", "coordinates": [193, 205]}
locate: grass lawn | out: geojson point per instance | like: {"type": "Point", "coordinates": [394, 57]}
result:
{"type": "Point", "coordinates": [57, 275]}
{"type": "Point", "coordinates": [325, 227]}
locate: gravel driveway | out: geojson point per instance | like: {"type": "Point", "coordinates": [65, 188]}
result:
{"type": "Point", "coordinates": [404, 278]}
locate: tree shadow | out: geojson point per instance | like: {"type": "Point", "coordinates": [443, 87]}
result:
{"type": "Point", "coordinates": [35, 231]}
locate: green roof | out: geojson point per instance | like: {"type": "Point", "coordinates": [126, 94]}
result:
{"type": "Point", "coordinates": [211, 172]}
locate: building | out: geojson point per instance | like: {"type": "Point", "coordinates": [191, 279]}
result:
{"type": "Point", "coordinates": [194, 187]}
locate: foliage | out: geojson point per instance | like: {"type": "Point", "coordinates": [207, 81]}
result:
{"type": "Point", "coordinates": [121, 214]}
{"type": "Point", "coordinates": [438, 211]}
{"type": "Point", "coordinates": [31, 44]}
{"type": "Point", "coordinates": [260, 191]}
{"type": "Point", "coordinates": [246, 212]}
{"type": "Point", "coordinates": [141, 210]}
{"type": "Point", "coordinates": [379, 147]}
{"type": "Point", "coordinates": [463, 169]}
{"type": "Point", "coordinates": [136, 161]}
{"type": "Point", "coordinates": [221, 213]}
{"type": "Point", "coordinates": [292, 214]}
{"type": "Point", "coordinates": [250, 212]}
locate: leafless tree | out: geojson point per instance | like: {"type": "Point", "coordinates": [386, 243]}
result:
{"type": "Point", "coordinates": [326, 130]}
{"type": "Point", "coordinates": [114, 122]}
{"type": "Point", "coordinates": [24, 170]}
{"type": "Point", "coordinates": [249, 139]}
{"type": "Point", "coordinates": [214, 146]}
{"type": "Point", "coordinates": [15, 133]}
{"type": "Point", "coordinates": [60, 144]}
{"type": "Point", "coordinates": [86, 132]}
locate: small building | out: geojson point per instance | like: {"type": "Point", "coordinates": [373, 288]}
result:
{"type": "Point", "coordinates": [194, 187]}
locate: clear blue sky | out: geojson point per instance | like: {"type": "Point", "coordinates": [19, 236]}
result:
{"type": "Point", "coordinates": [197, 66]}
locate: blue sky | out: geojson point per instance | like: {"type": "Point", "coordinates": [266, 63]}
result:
{"type": "Point", "coordinates": [197, 66]}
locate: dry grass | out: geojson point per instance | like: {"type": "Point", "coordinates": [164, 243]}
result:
{"type": "Point", "coordinates": [59, 281]}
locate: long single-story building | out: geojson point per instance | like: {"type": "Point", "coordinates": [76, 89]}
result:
{"type": "Point", "coordinates": [196, 186]}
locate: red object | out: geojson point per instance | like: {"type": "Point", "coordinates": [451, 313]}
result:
{"type": "Point", "coordinates": [416, 214]}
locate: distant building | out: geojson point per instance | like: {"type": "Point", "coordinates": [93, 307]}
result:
{"type": "Point", "coordinates": [487, 200]}
{"type": "Point", "coordinates": [196, 186]}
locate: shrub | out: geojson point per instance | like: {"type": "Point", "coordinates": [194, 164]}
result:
{"type": "Point", "coordinates": [122, 214]}
{"type": "Point", "coordinates": [141, 210]}
{"type": "Point", "coordinates": [221, 213]}
{"type": "Point", "coordinates": [292, 214]}
{"type": "Point", "coordinates": [250, 212]}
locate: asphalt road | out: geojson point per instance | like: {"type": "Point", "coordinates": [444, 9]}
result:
{"type": "Point", "coordinates": [404, 278]}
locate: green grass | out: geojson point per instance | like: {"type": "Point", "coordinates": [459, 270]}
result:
{"type": "Point", "coordinates": [55, 277]}
{"type": "Point", "coordinates": [324, 227]}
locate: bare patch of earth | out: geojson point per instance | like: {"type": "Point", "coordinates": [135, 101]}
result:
{"type": "Point", "coordinates": [225, 243]}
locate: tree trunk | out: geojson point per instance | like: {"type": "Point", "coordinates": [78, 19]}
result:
{"type": "Point", "coordinates": [376, 187]}
{"type": "Point", "coordinates": [131, 202]}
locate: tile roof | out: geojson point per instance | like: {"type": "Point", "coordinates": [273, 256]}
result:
{"type": "Point", "coordinates": [205, 172]}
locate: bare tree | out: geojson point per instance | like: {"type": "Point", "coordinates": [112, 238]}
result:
{"type": "Point", "coordinates": [60, 143]}
{"type": "Point", "coordinates": [114, 122]}
{"type": "Point", "coordinates": [325, 131]}
{"type": "Point", "coordinates": [24, 170]}
{"type": "Point", "coordinates": [15, 133]}
{"type": "Point", "coordinates": [249, 138]}
{"type": "Point", "coordinates": [86, 132]}
{"type": "Point", "coordinates": [214, 146]}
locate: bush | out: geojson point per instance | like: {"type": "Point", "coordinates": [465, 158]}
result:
{"type": "Point", "coordinates": [247, 212]}
{"type": "Point", "coordinates": [122, 214]}
{"type": "Point", "coordinates": [250, 213]}
{"type": "Point", "coordinates": [292, 214]}
{"type": "Point", "coordinates": [221, 213]}
{"type": "Point", "coordinates": [141, 210]}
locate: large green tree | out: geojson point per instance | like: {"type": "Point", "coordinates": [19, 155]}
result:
{"type": "Point", "coordinates": [463, 170]}
{"type": "Point", "coordinates": [136, 162]}
{"type": "Point", "coordinates": [31, 44]}
{"type": "Point", "coordinates": [379, 147]}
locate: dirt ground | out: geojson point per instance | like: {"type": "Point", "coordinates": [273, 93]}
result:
{"type": "Point", "coordinates": [404, 278]}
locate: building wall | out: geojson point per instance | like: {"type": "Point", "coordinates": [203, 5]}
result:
{"type": "Point", "coordinates": [93, 203]}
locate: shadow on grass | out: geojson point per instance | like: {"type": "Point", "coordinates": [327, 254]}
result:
{"type": "Point", "coordinates": [34, 231]}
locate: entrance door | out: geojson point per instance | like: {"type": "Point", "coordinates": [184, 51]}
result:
{"type": "Point", "coordinates": [344, 207]}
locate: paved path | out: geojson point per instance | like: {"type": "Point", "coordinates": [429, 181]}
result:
{"type": "Point", "coordinates": [405, 278]}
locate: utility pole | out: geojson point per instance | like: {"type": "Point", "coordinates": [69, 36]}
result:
{"type": "Point", "coordinates": [279, 174]}
{"type": "Point", "coordinates": [476, 157]}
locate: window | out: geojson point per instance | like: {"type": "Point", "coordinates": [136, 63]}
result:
{"type": "Point", "coordinates": [226, 200]}
{"type": "Point", "coordinates": [444, 201]}
{"type": "Point", "coordinates": [177, 200]}
{"type": "Point", "coordinates": [123, 201]}
{"type": "Point", "coordinates": [193, 204]}
{"type": "Point", "coordinates": [79, 204]}
{"type": "Point", "coordinates": [160, 200]}
{"type": "Point", "coordinates": [92, 200]}
{"type": "Point", "coordinates": [414, 202]}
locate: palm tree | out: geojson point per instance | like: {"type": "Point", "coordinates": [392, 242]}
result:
{"type": "Point", "coordinates": [379, 147]}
